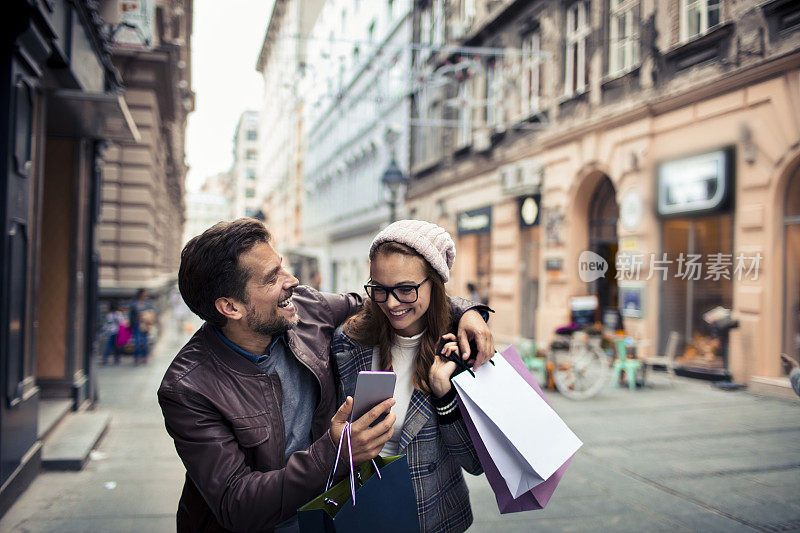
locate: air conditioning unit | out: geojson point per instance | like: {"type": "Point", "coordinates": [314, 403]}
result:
{"type": "Point", "coordinates": [523, 177]}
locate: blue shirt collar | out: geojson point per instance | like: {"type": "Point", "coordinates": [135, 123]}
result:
{"type": "Point", "coordinates": [253, 358]}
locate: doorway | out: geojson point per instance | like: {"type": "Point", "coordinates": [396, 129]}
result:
{"type": "Point", "coordinates": [603, 217]}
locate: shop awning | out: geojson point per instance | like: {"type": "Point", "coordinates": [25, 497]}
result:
{"type": "Point", "coordinates": [95, 115]}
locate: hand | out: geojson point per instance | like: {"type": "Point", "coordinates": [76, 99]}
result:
{"type": "Point", "coordinates": [473, 327]}
{"type": "Point", "coordinates": [367, 442]}
{"type": "Point", "coordinates": [442, 368]}
{"type": "Point", "coordinates": [789, 363]}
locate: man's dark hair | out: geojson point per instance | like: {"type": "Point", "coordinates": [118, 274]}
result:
{"type": "Point", "coordinates": [210, 266]}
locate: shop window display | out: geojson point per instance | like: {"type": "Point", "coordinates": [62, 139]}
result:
{"type": "Point", "coordinates": [689, 293]}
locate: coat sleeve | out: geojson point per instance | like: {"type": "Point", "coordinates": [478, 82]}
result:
{"type": "Point", "coordinates": [459, 306]}
{"type": "Point", "coordinates": [241, 498]}
{"type": "Point", "coordinates": [342, 306]}
{"type": "Point", "coordinates": [458, 444]}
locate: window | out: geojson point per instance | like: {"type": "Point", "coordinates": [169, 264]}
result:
{"type": "Point", "coordinates": [371, 31]}
{"type": "Point", "coordinates": [494, 87]}
{"type": "Point", "coordinates": [250, 155]}
{"type": "Point", "coordinates": [467, 11]}
{"type": "Point", "coordinates": [624, 45]}
{"type": "Point", "coordinates": [250, 173]}
{"type": "Point", "coordinates": [425, 25]}
{"type": "Point", "coordinates": [464, 134]}
{"type": "Point", "coordinates": [438, 23]}
{"type": "Point", "coordinates": [390, 9]}
{"type": "Point", "coordinates": [252, 135]}
{"type": "Point", "coordinates": [250, 192]}
{"type": "Point", "coordinates": [577, 37]}
{"type": "Point", "coordinates": [426, 129]}
{"type": "Point", "coordinates": [531, 86]}
{"type": "Point", "coordinates": [697, 17]}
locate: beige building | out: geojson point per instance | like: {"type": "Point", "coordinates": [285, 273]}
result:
{"type": "Point", "coordinates": [142, 213]}
{"type": "Point", "coordinates": [661, 136]}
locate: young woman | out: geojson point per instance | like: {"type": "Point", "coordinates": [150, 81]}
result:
{"type": "Point", "coordinates": [398, 329]}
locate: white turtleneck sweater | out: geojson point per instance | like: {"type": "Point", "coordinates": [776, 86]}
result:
{"type": "Point", "coordinates": [404, 355]}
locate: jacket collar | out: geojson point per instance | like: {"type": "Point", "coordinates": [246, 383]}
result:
{"type": "Point", "coordinates": [226, 354]}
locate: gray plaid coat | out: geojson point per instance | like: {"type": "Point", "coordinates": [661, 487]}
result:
{"type": "Point", "coordinates": [436, 453]}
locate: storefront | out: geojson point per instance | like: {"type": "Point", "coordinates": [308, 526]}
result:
{"type": "Point", "coordinates": [529, 211]}
{"type": "Point", "coordinates": [474, 247]}
{"type": "Point", "coordinates": [791, 306]}
{"type": "Point", "coordinates": [695, 206]}
{"type": "Point", "coordinates": [704, 192]}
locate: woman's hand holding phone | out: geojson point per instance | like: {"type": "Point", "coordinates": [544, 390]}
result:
{"type": "Point", "coordinates": [367, 442]}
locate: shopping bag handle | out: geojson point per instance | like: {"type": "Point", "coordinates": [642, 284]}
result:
{"type": "Point", "coordinates": [456, 358]}
{"type": "Point", "coordinates": [346, 431]}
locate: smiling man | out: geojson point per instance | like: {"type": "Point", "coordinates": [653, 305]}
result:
{"type": "Point", "coordinates": [250, 401]}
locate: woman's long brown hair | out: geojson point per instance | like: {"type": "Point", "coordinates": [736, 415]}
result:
{"type": "Point", "coordinates": [371, 327]}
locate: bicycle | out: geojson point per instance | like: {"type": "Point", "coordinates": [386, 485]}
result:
{"type": "Point", "coordinates": [580, 366]}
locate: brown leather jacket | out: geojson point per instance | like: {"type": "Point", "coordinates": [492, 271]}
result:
{"type": "Point", "coordinates": [224, 415]}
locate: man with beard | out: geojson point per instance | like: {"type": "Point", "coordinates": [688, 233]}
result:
{"type": "Point", "coordinates": [250, 400]}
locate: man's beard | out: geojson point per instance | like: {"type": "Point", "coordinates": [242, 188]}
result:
{"type": "Point", "coordinates": [269, 327]}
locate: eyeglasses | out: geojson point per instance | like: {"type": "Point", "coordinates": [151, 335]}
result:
{"type": "Point", "coordinates": [406, 294]}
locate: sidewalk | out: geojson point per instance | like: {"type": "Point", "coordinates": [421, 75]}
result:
{"type": "Point", "coordinates": [688, 458]}
{"type": "Point", "coordinates": [134, 479]}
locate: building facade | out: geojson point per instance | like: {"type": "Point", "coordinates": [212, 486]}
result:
{"type": "Point", "coordinates": [62, 101]}
{"type": "Point", "coordinates": [246, 200]}
{"type": "Point", "coordinates": [284, 65]}
{"type": "Point", "coordinates": [357, 122]}
{"type": "Point", "coordinates": [654, 143]}
{"type": "Point", "coordinates": [142, 210]}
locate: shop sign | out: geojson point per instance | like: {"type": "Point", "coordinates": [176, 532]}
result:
{"type": "Point", "coordinates": [694, 185]}
{"type": "Point", "coordinates": [475, 221]}
{"type": "Point", "coordinates": [630, 300]}
{"type": "Point", "coordinates": [554, 264]}
{"type": "Point", "coordinates": [528, 209]}
{"type": "Point", "coordinates": [631, 210]}
{"type": "Point", "coordinates": [138, 21]}
{"type": "Point", "coordinates": [553, 225]}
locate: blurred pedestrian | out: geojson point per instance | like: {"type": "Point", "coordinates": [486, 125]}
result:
{"type": "Point", "coordinates": [792, 367]}
{"type": "Point", "coordinates": [140, 321]}
{"type": "Point", "coordinates": [250, 401]}
{"type": "Point", "coordinates": [402, 323]}
{"type": "Point", "coordinates": [111, 325]}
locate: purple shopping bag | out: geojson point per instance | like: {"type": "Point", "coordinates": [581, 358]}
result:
{"type": "Point", "coordinates": [537, 497]}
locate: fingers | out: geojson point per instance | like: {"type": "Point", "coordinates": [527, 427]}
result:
{"type": "Point", "coordinates": [463, 343]}
{"type": "Point", "coordinates": [485, 347]}
{"type": "Point", "coordinates": [344, 411]}
{"type": "Point", "coordinates": [369, 441]}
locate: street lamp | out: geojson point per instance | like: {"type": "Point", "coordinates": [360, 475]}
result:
{"type": "Point", "coordinates": [394, 182]}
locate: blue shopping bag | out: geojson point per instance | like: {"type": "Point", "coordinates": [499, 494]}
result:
{"type": "Point", "coordinates": [386, 503]}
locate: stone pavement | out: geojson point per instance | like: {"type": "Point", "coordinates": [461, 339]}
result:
{"type": "Point", "coordinates": [688, 458]}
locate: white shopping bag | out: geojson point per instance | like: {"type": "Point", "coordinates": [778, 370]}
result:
{"type": "Point", "coordinates": [526, 439]}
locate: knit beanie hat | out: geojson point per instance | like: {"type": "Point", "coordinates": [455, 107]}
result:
{"type": "Point", "coordinates": [429, 240]}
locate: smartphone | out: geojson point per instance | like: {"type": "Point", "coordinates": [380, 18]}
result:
{"type": "Point", "coordinates": [372, 387]}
